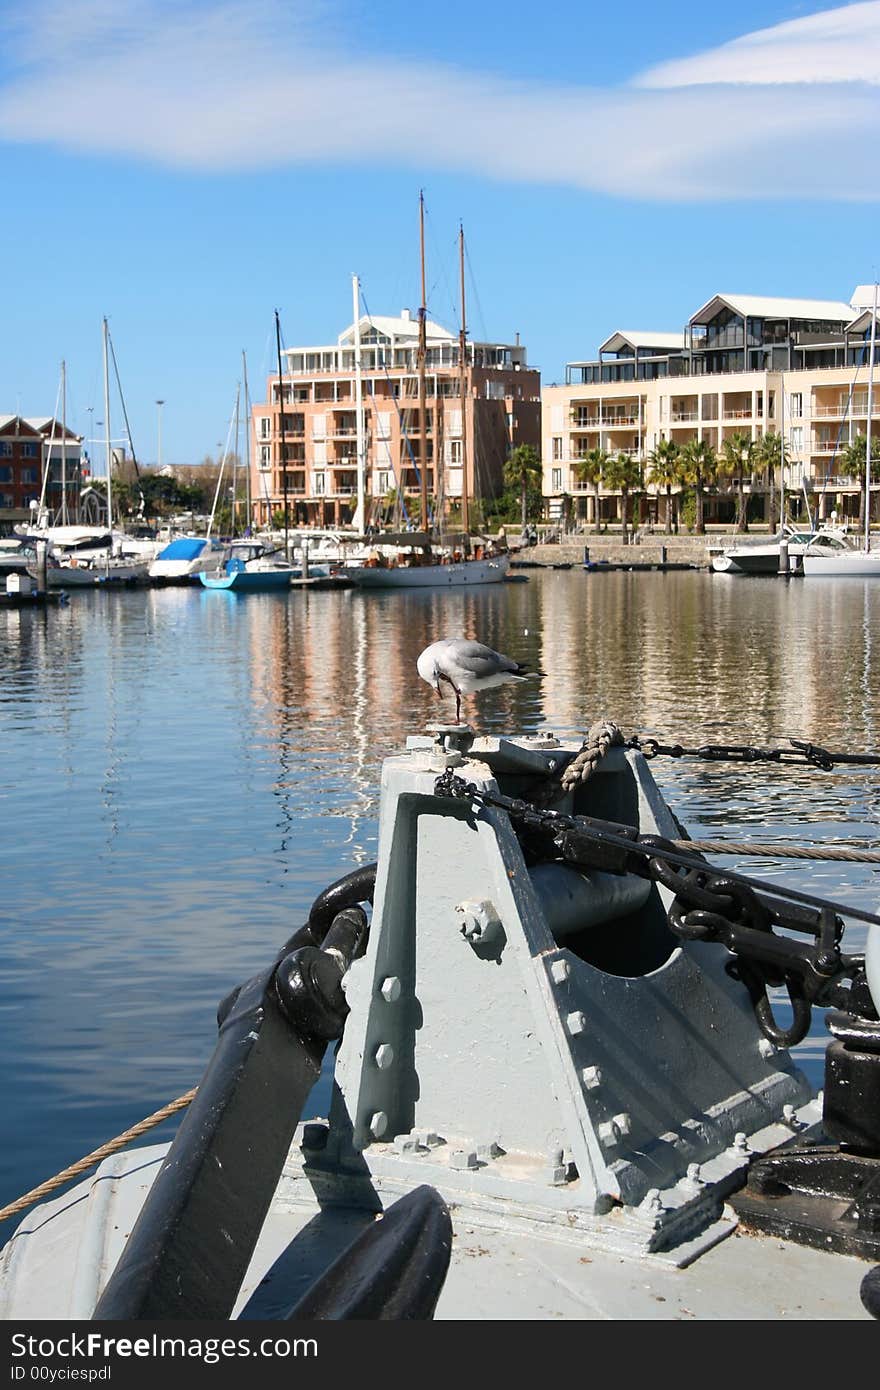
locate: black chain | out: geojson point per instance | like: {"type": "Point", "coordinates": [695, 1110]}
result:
{"type": "Point", "coordinates": [710, 905]}
{"type": "Point", "coordinates": [799, 752]}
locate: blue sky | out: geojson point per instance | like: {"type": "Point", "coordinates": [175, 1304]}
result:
{"type": "Point", "coordinates": [187, 168]}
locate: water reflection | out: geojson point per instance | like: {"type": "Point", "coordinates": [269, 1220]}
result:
{"type": "Point", "coordinates": [184, 772]}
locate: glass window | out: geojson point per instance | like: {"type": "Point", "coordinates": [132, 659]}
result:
{"type": "Point", "coordinates": [556, 480]}
{"type": "Point", "coordinates": [557, 447]}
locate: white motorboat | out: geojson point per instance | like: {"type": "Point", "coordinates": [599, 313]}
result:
{"type": "Point", "coordinates": [565, 1104]}
{"type": "Point", "coordinates": [185, 558]}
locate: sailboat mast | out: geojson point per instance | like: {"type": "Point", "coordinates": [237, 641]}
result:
{"type": "Point", "coordinates": [462, 377]}
{"type": "Point", "coordinates": [247, 443]}
{"type": "Point", "coordinates": [283, 436]}
{"type": "Point", "coordinates": [63, 443]}
{"type": "Point", "coordinates": [360, 513]}
{"type": "Point", "coordinates": [868, 425]}
{"type": "Point", "coordinates": [782, 451]}
{"type": "Point", "coordinates": [234, 499]}
{"type": "Point", "coordinates": [107, 446]}
{"type": "Point", "coordinates": [420, 362]}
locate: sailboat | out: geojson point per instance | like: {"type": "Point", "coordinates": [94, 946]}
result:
{"type": "Point", "coordinates": [92, 557]}
{"type": "Point", "coordinates": [853, 562]}
{"type": "Point", "coordinates": [418, 561]}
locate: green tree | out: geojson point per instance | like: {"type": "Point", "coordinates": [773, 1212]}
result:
{"type": "Point", "coordinates": [522, 469]}
{"type": "Point", "coordinates": [590, 469]}
{"type": "Point", "coordinates": [853, 459]}
{"type": "Point", "coordinates": [665, 471]}
{"type": "Point", "coordinates": [771, 454]}
{"type": "Point", "coordinates": [623, 474]}
{"type": "Point", "coordinates": [737, 461]}
{"type": "Point", "coordinates": [699, 467]}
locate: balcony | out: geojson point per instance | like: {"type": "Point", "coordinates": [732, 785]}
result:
{"type": "Point", "coordinates": [684, 417]}
{"type": "Point", "coordinates": [741, 414]}
{"type": "Point", "coordinates": [619, 422]}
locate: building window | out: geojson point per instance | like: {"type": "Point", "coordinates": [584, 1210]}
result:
{"type": "Point", "coordinates": [265, 425]}
{"type": "Point", "coordinates": [5, 474]}
{"type": "Point", "coordinates": [454, 454]}
{"type": "Point", "coordinates": [557, 446]}
{"type": "Point", "coordinates": [797, 440]}
{"type": "Point", "coordinates": [5, 449]}
{"type": "Point", "coordinates": [384, 481]}
{"type": "Point", "coordinates": [797, 405]}
{"type": "Point", "coordinates": [29, 451]}
{"type": "Point", "coordinates": [556, 480]}
{"type": "Point", "coordinates": [320, 484]}
{"type": "Point", "coordinates": [29, 475]}
{"type": "Point", "coordinates": [6, 499]}
{"type": "Point", "coordinates": [265, 455]}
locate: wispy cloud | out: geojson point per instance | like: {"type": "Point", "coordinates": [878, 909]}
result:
{"type": "Point", "coordinates": [841, 45]}
{"type": "Point", "coordinates": [237, 86]}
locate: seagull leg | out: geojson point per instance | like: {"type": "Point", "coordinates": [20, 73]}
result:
{"type": "Point", "coordinates": [457, 704]}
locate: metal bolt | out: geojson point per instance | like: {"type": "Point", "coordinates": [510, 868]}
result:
{"type": "Point", "coordinates": [489, 1151]}
{"type": "Point", "coordinates": [407, 1144]}
{"type": "Point", "coordinates": [428, 1137]}
{"type": "Point", "coordinates": [608, 1133]}
{"type": "Point", "coordinates": [378, 1124]}
{"type": "Point", "coordinates": [790, 1117]}
{"type": "Point", "coordinates": [740, 1144]}
{"type": "Point", "coordinates": [576, 1023]}
{"type": "Point", "coordinates": [390, 989]}
{"type": "Point", "coordinates": [592, 1078]}
{"type": "Point", "coordinates": [384, 1056]}
{"type": "Point", "coordinates": [692, 1182]}
{"type": "Point", "coordinates": [314, 1136]}
{"type": "Point", "coordinates": [623, 1123]}
{"type": "Point", "coordinates": [560, 971]}
{"type": "Point", "coordinates": [767, 1049]}
{"type": "Point", "coordinates": [557, 1174]}
{"type": "Point", "coordinates": [462, 1159]}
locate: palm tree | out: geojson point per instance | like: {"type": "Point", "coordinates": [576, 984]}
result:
{"type": "Point", "coordinates": [737, 459]}
{"type": "Point", "coordinates": [522, 469]}
{"type": "Point", "coordinates": [663, 468]}
{"type": "Point", "coordinates": [770, 454]}
{"type": "Point", "coordinates": [853, 459]}
{"type": "Point", "coordinates": [699, 467]}
{"type": "Point", "coordinates": [622, 473]}
{"type": "Point", "coordinates": [590, 469]}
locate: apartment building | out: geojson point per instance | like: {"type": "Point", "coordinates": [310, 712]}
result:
{"type": "Point", "coordinates": [28, 447]}
{"type": "Point", "coordinates": [467, 439]}
{"type": "Point", "coordinates": [743, 364]}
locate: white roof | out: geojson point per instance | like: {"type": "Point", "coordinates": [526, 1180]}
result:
{"type": "Point", "coordinates": [863, 297]}
{"type": "Point", "coordinates": [648, 338]}
{"type": "Point", "coordinates": [404, 326]}
{"type": "Point", "coordinates": [765, 306]}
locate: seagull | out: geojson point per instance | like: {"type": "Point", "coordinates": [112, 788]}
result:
{"type": "Point", "coordinates": [467, 666]}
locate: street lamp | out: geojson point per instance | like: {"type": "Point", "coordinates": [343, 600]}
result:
{"type": "Point", "coordinates": [159, 405]}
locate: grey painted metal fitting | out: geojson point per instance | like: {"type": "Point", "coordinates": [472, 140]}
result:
{"type": "Point", "coordinates": [384, 1056]}
{"type": "Point", "coordinates": [560, 971]}
{"type": "Point", "coordinates": [463, 1159]}
{"type": "Point", "coordinates": [378, 1124]}
{"type": "Point", "coordinates": [592, 1078]}
{"type": "Point", "coordinates": [576, 1023]}
{"type": "Point", "coordinates": [390, 989]}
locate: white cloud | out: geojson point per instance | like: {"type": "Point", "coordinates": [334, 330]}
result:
{"type": "Point", "coordinates": [239, 86]}
{"type": "Point", "coordinates": [841, 45]}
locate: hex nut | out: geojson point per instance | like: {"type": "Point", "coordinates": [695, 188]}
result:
{"type": "Point", "coordinates": [390, 989]}
{"type": "Point", "coordinates": [576, 1023]}
{"type": "Point", "coordinates": [384, 1056]}
{"type": "Point", "coordinates": [378, 1124]}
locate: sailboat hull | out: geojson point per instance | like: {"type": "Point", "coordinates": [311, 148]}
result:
{"type": "Point", "coordinates": [449, 576]}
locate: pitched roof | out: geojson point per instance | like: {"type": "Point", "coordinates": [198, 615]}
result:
{"type": "Point", "coordinates": [768, 307]}
{"type": "Point", "coordinates": [403, 326]}
{"type": "Point", "coordinates": [642, 338]}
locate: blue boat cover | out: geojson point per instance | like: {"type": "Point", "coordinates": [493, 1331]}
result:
{"type": "Point", "coordinates": [184, 548]}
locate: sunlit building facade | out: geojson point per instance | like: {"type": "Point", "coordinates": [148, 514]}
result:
{"type": "Point", "coordinates": [744, 365]}
{"type": "Point", "coordinates": [465, 437]}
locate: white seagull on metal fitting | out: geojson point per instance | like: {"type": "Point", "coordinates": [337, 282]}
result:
{"type": "Point", "coordinates": [466, 667]}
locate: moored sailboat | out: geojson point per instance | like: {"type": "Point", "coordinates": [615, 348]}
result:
{"type": "Point", "coordinates": [424, 560]}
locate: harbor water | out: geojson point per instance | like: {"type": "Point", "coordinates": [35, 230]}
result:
{"type": "Point", "coordinates": [183, 771]}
